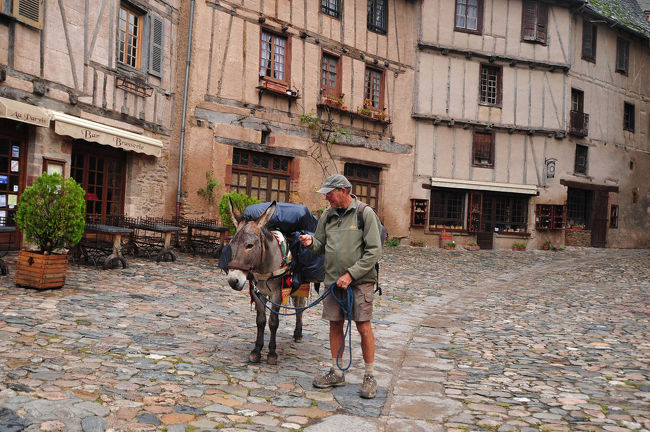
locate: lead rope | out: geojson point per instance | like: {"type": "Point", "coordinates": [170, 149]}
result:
{"type": "Point", "coordinates": [347, 306]}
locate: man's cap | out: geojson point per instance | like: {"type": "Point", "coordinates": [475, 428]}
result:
{"type": "Point", "coordinates": [335, 181]}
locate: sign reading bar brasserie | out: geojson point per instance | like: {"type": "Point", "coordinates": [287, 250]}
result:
{"type": "Point", "coordinates": [118, 139]}
{"type": "Point", "coordinates": [93, 135]}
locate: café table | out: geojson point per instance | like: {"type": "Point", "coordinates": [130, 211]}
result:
{"type": "Point", "coordinates": [160, 245]}
{"type": "Point", "coordinates": [91, 244]}
{"type": "Point", "coordinates": [195, 239]}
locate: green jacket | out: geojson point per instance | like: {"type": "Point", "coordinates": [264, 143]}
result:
{"type": "Point", "coordinates": [346, 247]}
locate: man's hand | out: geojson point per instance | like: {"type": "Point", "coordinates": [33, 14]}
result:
{"type": "Point", "coordinates": [344, 281]}
{"type": "Point", "coordinates": [306, 239]}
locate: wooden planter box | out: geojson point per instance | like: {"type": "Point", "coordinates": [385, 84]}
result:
{"type": "Point", "coordinates": [39, 271]}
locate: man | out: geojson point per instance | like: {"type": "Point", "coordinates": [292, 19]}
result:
{"type": "Point", "coordinates": [350, 257]}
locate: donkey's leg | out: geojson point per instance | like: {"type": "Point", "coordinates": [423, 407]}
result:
{"type": "Point", "coordinates": [274, 322]}
{"type": "Point", "coordinates": [256, 355]}
{"type": "Point", "coordinates": [298, 302]}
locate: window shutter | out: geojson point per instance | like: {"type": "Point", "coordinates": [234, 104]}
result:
{"type": "Point", "coordinates": [621, 55]}
{"type": "Point", "coordinates": [587, 39]}
{"type": "Point", "coordinates": [29, 12]}
{"type": "Point", "coordinates": [529, 21]}
{"type": "Point", "coordinates": [542, 22]}
{"type": "Point", "coordinates": [156, 53]}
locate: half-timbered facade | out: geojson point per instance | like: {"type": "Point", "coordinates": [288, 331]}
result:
{"type": "Point", "coordinates": [532, 123]}
{"type": "Point", "coordinates": [86, 90]}
{"type": "Point", "coordinates": [282, 94]}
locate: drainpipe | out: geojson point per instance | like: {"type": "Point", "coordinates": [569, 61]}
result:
{"type": "Point", "coordinates": [182, 141]}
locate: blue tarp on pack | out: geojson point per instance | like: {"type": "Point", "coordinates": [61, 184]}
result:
{"type": "Point", "coordinates": [288, 217]}
{"type": "Point", "coordinates": [292, 220]}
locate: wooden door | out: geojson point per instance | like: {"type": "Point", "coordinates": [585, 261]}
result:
{"type": "Point", "coordinates": [101, 172]}
{"type": "Point", "coordinates": [13, 162]}
{"type": "Point", "coordinates": [599, 219]}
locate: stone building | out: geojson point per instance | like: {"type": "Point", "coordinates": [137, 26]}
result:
{"type": "Point", "coordinates": [86, 90]}
{"type": "Point", "coordinates": [532, 123]}
{"type": "Point", "coordinates": [282, 94]}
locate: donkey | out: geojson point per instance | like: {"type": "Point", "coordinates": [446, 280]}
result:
{"type": "Point", "coordinates": [256, 257]}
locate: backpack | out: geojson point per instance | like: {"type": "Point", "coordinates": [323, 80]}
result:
{"type": "Point", "coordinates": [384, 235]}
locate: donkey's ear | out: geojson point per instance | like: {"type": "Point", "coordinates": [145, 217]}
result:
{"type": "Point", "coordinates": [234, 212]}
{"type": "Point", "coordinates": [267, 215]}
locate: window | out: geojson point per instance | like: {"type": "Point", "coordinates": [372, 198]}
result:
{"type": "Point", "coordinates": [373, 93]}
{"type": "Point", "coordinates": [260, 175]}
{"type": "Point", "coordinates": [483, 149]}
{"type": "Point", "coordinates": [331, 7]}
{"type": "Point", "coordinates": [589, 33]}
{"type": "Point", "coordinates": [534, 27]}
{"type": "Point", "coordinates": [579, 203]}
{"type": "Point", "coordinates": [469, 16]}
{"type": "Point", "coordinates": [131, 41]}
{"type": "Point", "coordinates": [490, 91]}
{"type": "Point", "coordinates": [130, 37]}
{"type": "Point", "coordinates": [580, 165]}
{"type": "Point", "coordinates": [579, 121]}
{"type": "Point", "coordinates": [365, 182]}
{"type": "Point", "coordinates": [503, 212]}
{"type": "Point", "coordinates": [28, 12]}
{"type": "Point", "coordinates": [628, 117]}
{"type": "Point", "coordinates": [330, 76]}
{"type": "Point", "coordinates": [577, 100]}
{"type": "Point", "coordinates": [274, 57]}
{"type": "Point", "coordinates": [378, 16]}
{"type": "Point", "coordinates": [622, 55]}
{"type": "Point", "coordinates": [446, 209]}
{"type": "Point", "coordinates": [613, 216]}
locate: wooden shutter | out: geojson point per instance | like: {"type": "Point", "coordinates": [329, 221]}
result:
{"type": "Point", "coordinates": [588, 40]}
{"type": "Point", "coordinates": [542, 22]}
{"type": "Point", "coordinates": [622, 53]}
{"type": "Point", "coordinates": [156, 53]}
{"type": "Point", "coordinates": [529, 21]}
{"type": "Point", "coordinates": [29, 12]}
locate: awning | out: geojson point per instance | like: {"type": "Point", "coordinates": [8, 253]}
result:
{"type": "Point", "coordinates": [488, 186]}
{"type": "Point", "coordinates": [87, 130]}
{"type": "Point", "coordinates": [23, 112]}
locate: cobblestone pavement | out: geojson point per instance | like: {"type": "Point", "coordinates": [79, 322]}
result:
{"type": "Point", "coordinates": [466, 341]}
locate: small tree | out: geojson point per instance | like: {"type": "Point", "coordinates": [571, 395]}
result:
{"type": "Point", "coordinates": [240, 201]}
{"type": "Point", "coordinates": [211, 186]}
{"type": "Point", "coordinates": [51, 212]}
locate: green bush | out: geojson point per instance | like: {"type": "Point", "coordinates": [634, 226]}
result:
{"type": "Point", "coordinates": [211, 185]}
{"type": "Point", "coordinates": [393, 242]}
{"type": "Point", "coordinates": [51, 212]}
{"type": "Point", "coordinates": [240, 201]}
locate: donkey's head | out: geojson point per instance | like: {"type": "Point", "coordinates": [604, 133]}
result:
{"type": "Point", "coordinates": [249, 247]}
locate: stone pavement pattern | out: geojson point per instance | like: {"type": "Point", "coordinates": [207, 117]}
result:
{"type": "Point", "coordinates": [466, 341]}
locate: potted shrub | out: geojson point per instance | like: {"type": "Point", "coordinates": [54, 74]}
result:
{"type": "Point", "coordinates": [450, 245]}
{"type": "Point", "coordinates": [547, 245]}
{"type": "Point", "coordinates": [518, 246]}
{"type": "Point", "coordinates": [51, 216]}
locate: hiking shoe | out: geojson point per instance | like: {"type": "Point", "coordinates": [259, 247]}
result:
{"type": "Point", "coordinates": [330, 379]}
{"type": "Point", "coordinates": [369, 387]}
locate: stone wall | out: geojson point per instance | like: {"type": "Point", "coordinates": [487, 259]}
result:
{"type": "Point", "coordinates": [577, 238]}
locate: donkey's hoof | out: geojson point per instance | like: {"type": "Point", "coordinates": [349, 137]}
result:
{"type": "Point", "coordinates": [272, 359]}
{"type": "Point", "coordinates": [254, 357]}
{"type": "Point", "coordinates": [297, 338]}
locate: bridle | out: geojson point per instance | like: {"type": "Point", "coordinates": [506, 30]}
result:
{"type": "Point", "coordinates": [252, 275]}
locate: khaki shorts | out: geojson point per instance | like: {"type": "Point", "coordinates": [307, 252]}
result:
{"type": "Point", "coordinates": [363, 296]}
